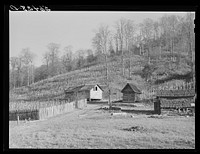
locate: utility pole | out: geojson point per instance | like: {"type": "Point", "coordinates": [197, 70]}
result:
{"type": "Point", "coordinates": [109, 90]}
{"type": "Point", "coordinates": [109, 101]}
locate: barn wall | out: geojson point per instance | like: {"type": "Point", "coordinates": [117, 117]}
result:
{"type": "Point", "coordinates": [128, 97]}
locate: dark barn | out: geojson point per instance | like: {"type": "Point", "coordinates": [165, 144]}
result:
{"type": "Point", "coordinates": [129, 93]}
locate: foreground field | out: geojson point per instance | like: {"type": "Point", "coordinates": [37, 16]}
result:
{"type": "Point", "coordinates": [94, 128]}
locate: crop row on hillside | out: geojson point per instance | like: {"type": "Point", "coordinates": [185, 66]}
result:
{"type": "Point", "coordinates": [54, 87]}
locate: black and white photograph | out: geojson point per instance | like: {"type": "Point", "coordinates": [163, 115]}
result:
{"type": "Point", "coordinates": [101, 79]}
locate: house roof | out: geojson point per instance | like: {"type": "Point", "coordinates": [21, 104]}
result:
{"type": "Point", "coordinates": [81, 88]}
{"type": "Point", "coordinates": [133, 87]}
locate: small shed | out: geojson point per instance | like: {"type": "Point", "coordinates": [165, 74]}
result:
{"type": "Point", "coordinates": [90, 92]}
{"type": "Point", "coordinates": [129, 93]}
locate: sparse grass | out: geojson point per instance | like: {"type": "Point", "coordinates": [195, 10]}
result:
{"type": "Point", "coordinates": [93, 129]}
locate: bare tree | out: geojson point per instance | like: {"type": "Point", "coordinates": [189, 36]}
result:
{"type": "Point", "coordinates": [53, 56]}
{"type": "Point", "coordinates": [173, 22]}
{"type": "Point", "coordinates": [13, 64]}
{"type": "Point", "coordinates": [101, 42]}
{"type": "Point", "coordinates": [120, 25]}
{"type": "Point", "coordinates": [80, 58]}
{"type": "Point", "coordinates": [67, 58]}
{"type": "Point", "coordinates": [96, 43]}
{"type": "Point", "coordinates": [157, 36]}
{"type": "Point", "coordinates": [189, 31]}
{"type": "Point", "coordinates": [90, 56]}
{"type": "Point", "coordinates": [146, 29]}
{"type": "Point", "coordinates": [116, 39]}
{"type": "Point", "coordinates": [46, 58]}
{"type": "Point", "coordinates": [190, 35]}
{"type": "Point", "coordinates": [129, 32]}
{"type": "Point", "coordinates": [19, 65]}
{"type": "Point", "coordinates": [27, 58]}
{"type": "Point", "coordinates": [139, 42]}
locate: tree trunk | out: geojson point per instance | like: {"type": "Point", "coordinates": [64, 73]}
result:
{"type": "Point", "coordinates": [33, 74]}
{"type": "Point", "coordinates": [116, 41]}
{"type": "Point", "coordinates": [122, 61]}
{"type": "Point", "coordinates": [192, 60]}
{"type": "Point", "coordinates": [28, 75]}
{"type": "Point", "coordinates": [160, 52]}
{"type": "Point", "coordinates": [129, 67]}
{"type": "Point", "coordinates": [122, 57]}
{"type": "Point", "coordinates": [109, 99]}
{"type": "Point", "coordinates": [172, 49]}
{"type": "Point", "coordinates": [149, 53]}
{"type": "Point", "coordinates": [106, 68]}
{"type": "Point", "coordinates": [142, 49]}
{"type": "Point", "coordinates": [21, 83]}
{"type": "Point", "coordinates": [129, 63]}
{"type": "Point", "coordinates": [47, 70]}
{"type": "Point", "coordinates": [19, 78]}
{"type": "Point", "coordinates": [14, 79]}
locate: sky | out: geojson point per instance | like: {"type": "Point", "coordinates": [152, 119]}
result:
{"type": "Point", "coordinates": [35, 30]}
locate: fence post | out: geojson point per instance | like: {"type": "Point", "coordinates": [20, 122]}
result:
{"type": "Point", "coordinates": [157, 107]}
{"type": "Point", "coordinates": [17, 119]}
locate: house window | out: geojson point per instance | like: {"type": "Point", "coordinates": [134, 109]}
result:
{"type": "Point", "coordinates": [95, 88]}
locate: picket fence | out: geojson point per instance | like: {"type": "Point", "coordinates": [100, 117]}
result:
{"type": "Point", "coordinates": [55, 110]}
{"type": "Point", "coordinates": [46, 112]}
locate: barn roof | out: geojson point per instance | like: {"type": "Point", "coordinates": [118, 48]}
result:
{"type": "Point", "coordinates": [81, 88]}
{"type": "Point", "coordinates": [133, 87]}
{"type": "Point", "coordinates": [73, 89]}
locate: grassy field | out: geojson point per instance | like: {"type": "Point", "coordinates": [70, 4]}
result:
{"type": "Point", "coordinates": [95, 128]}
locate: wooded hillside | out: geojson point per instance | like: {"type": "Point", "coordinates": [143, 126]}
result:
{"type": "Point", "coordinates": [147, 54]}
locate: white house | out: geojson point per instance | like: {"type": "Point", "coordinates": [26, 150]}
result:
{"type": "Point", "coordinates": [93, 92]}
{"type": "Point", "coordinates": [90, 92]}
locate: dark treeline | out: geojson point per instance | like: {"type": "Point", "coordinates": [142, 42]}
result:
{"type": "Point", "coordinates": [171, 37]}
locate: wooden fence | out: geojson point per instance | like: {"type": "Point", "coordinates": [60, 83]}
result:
{"type": "Point", "coordinates": [24, 114]}
{"type": "Point", "coordinates": [81, 103]}
{"type": "Point", "coordinates": [167, 88]}
{"type": "Point", "coordinates": [55, 110]}
{"type": "Point", "coordinates": [48, 111]}
{"type": "Point", "coordinates": [175, 99]}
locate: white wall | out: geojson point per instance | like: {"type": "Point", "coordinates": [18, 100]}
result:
{"type": "Point", "coordinates": [96, 94]}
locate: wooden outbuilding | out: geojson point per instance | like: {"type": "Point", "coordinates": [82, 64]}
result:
{"type": "Point", "coordinates": [89, 92]}
{"type": "Point", "coordinates": [130, 91]}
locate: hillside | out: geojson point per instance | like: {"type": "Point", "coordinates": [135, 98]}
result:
{"type": "Point", "coordinates": [54, 87]}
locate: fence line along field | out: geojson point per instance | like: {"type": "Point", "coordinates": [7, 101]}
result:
{"type": "Point", "coordinates": [33, 105]}
{"type": "Point", "coordinates": [43, 110]}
